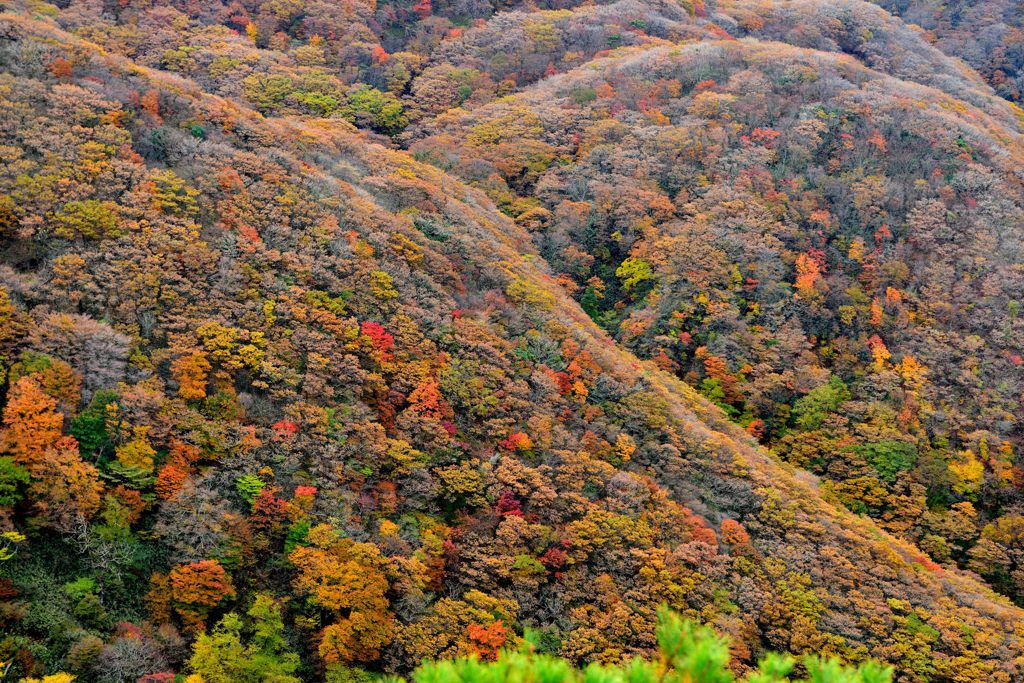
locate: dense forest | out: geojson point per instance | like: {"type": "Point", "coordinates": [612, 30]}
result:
{"type": "Point", "coordinates": [645, 340]}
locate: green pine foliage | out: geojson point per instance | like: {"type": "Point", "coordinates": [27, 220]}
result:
{"type": "Point", "coordinates": [688, 653]}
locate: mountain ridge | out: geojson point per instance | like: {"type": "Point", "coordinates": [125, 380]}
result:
{"type": "Point", "coordinates": [483, 274]}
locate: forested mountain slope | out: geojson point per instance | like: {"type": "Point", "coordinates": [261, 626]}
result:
{"type": "Point", "coordinates": [870, 34]}
{"type": "Point", "coordinates": [831, 255]}
{"type": "Point", "coordinates": [272, 381]}
{"type": "Point", "coordinates": [987, 34]}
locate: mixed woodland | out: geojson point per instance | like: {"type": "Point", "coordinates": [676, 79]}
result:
{"type": "Point", "coordinates": [553, 341]}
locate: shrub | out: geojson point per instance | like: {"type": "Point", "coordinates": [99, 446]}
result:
{"type": "Point", "coordinates": [687, 652]}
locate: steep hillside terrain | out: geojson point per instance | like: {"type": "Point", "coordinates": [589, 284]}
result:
{"type": "Point", "coordinates": [829, 254]}
{"type": "Point", "coordinates": [276, 389]}
{"type": "Point", "coordinates": [988, 35]}
{"type": "Point", "coordinates": [870, 34]}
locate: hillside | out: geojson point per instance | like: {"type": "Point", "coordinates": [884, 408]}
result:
{"type": "Point", "coordinates": [830, 255]}
{"type": "Point", "coordinates": [988, 35]}
{"type": "Point", "coordinates": [363, 406]}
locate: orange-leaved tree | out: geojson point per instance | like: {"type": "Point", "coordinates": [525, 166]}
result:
{"type": "Point", "coordinates": [347, 579]}
{"type": "Point", "coordinates": [197, 588]}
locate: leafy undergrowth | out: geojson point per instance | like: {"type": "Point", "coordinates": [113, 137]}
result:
{"type": "Point", "coordinates": [687, 653]}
